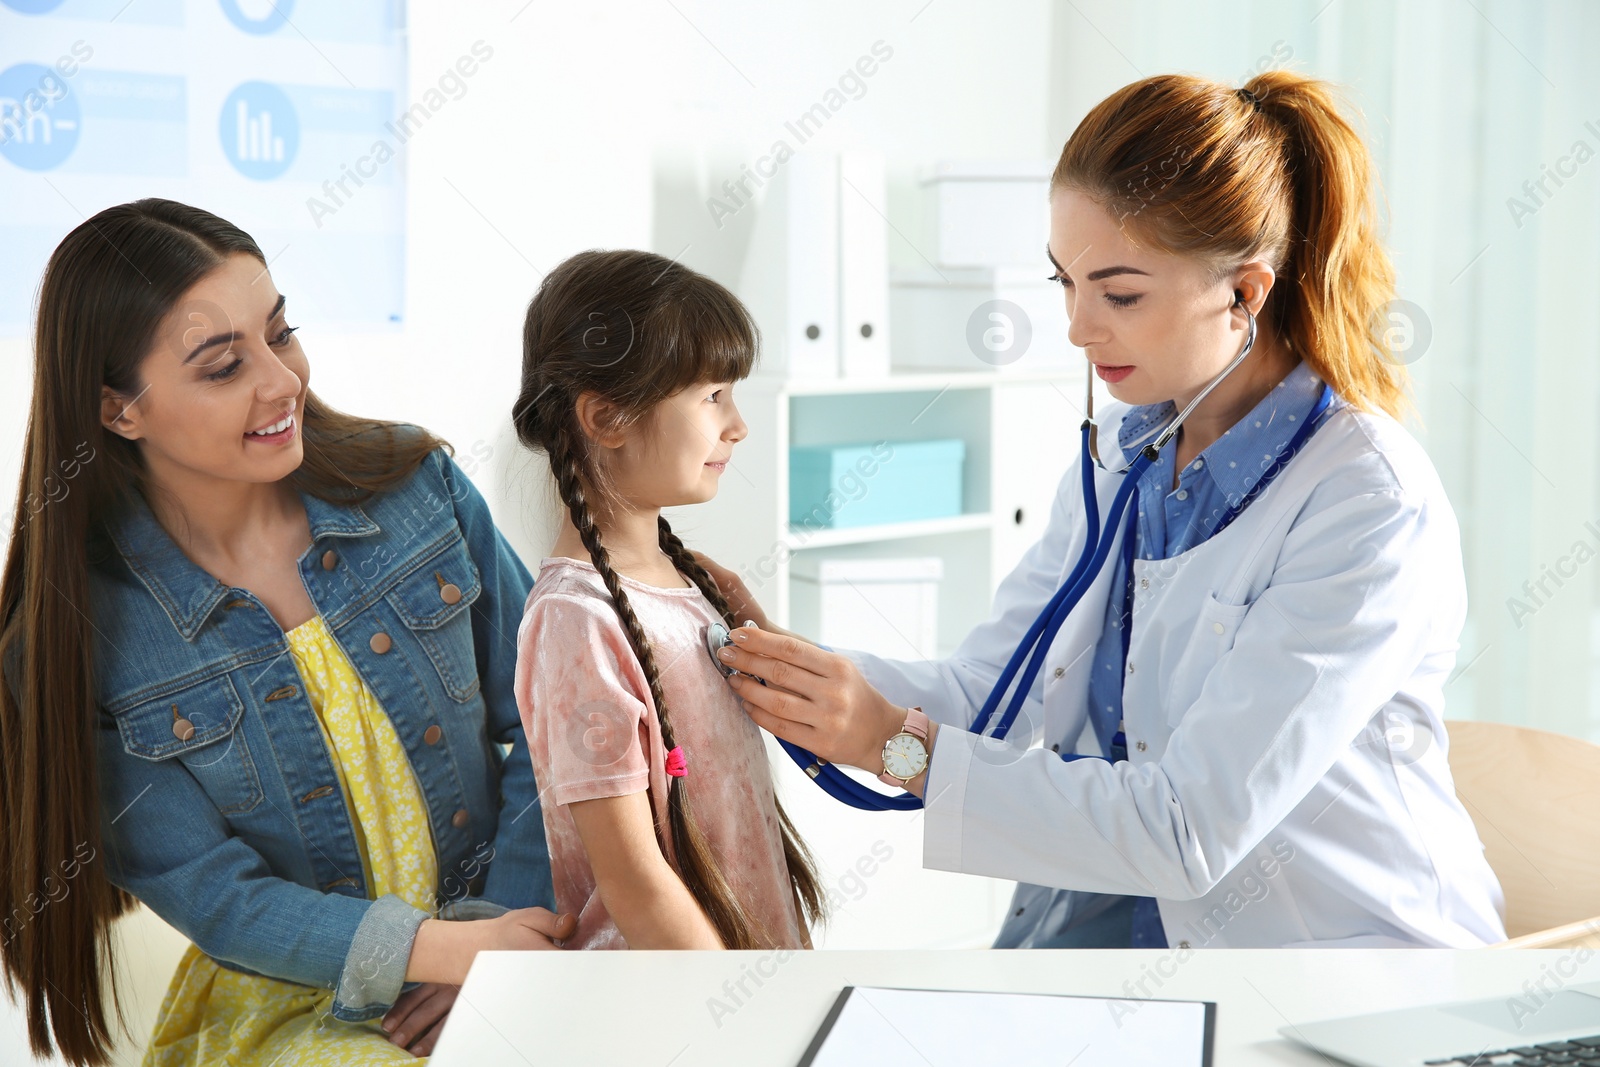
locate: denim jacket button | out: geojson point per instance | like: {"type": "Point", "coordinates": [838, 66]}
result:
{"type": "Point", "coordinates": [182, 728]}
{"type": "Point", "coordinates": [449, 593]}
{"type": "Point", "coordinates": [380, 643]}
{"type": "Point", "coordinates": [460, 819]}
{"type": "Point", "coordinates": [330, 560]}
{"type": "Point", "coordinates": [432, 735]}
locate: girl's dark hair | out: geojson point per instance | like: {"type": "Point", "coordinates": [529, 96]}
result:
{"type": "Point", "coordinates": [635, 328]}
{"type": "Point", "coordinates": [108, 286]}
{"type": "Point", "coordinates": [1272, 169]}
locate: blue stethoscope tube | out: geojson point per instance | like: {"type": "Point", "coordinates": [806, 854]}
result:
{"type": "Point", "coordinates": [1041, 634]}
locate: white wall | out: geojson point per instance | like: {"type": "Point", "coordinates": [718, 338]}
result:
{"type": "Point", "coordinates": [609, 127]}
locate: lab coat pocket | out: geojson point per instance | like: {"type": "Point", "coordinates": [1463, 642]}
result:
{"type": "Point", "coordinates": [1215, 626]}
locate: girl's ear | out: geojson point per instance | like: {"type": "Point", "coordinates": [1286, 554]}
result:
{"type": "Point", "coordinates": [597, 418]}
{"type": "Point", "coordinates": [118, 416]}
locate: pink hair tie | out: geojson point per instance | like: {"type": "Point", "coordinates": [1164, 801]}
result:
{"type": "Point", "coordinates": [677, 766]}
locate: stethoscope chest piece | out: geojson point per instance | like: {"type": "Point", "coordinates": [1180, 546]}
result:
{"type": "Point", "coordinates": [716, 638]}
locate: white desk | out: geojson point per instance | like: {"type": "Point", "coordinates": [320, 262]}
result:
{"type": "Point", "coordinates": [654, 1009]}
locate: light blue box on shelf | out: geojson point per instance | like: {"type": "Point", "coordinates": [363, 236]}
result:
{"type": "Point", "coordinates": [845, 486]}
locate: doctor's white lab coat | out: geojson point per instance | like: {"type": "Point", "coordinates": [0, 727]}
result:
{"type": "Point", "coordinates": [1286, 781]}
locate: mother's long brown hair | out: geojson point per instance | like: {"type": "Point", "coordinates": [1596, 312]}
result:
{"type": "Point", "coordinates": [634, 328]}
{"type": "Point", "coordinates": [107, 288]}
{"type": "Point", "coordinates": [1271, 170]}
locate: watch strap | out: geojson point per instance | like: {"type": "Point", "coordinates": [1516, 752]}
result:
{"type": "Point", "coordinates": [916, 725]}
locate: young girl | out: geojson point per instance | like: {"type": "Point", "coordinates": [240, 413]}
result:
{"type": "Point", "coordinates": [658, 802]}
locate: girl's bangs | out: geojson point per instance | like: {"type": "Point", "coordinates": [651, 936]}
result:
{"type": "Point", "coordinates": [716, 342]}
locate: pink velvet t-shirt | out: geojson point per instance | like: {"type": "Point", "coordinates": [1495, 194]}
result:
{"type": "Point", "coordinates": [593, 732]}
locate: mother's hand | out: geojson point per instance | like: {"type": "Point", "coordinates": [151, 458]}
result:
{"type": "Point", "coordinates": [815, 699]}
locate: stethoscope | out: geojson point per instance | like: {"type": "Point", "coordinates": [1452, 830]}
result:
{"type": "Point", "coordinates": [1028, 659]}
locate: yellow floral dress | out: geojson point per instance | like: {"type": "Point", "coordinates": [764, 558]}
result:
{"type": "Point", "coordinates": [212, 1015]}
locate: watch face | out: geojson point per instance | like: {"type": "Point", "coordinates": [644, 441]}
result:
{"type": "Point", "coordinates": [904, 756]}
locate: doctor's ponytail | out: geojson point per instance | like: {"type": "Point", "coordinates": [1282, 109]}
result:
{"type": "Point", "coordinates": [1270, 170]}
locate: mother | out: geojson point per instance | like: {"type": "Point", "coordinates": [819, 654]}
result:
{"type": "Point", "coordinates": [259, 660]}
{"type": "Point", "coordinates": [1267, 694]}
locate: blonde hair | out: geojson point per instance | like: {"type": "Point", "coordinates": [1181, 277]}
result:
{"type": "Point", "coordinates": [1270, 171]}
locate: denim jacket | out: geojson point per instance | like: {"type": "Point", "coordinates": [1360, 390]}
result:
{"type": "Point", "coordinates": [221, 807]}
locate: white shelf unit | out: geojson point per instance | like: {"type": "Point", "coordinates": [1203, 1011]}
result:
{"type": "Point", "coordinates": [1021, 433]}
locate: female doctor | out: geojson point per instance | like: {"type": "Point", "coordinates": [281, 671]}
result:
{"type": "Point", "coordinates": [1261, 668]}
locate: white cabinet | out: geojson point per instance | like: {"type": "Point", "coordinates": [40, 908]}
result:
{"type": "Point", "coordinates": [1021, 431]}
{"type": "Point", "coordinates": [1041, 424]}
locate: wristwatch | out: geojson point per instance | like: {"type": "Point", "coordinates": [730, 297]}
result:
{"type": "Point", "coordinates": [905, 755]}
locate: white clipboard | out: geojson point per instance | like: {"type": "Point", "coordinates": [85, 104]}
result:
{"type": "Point", "coordinates": [921, 1027]}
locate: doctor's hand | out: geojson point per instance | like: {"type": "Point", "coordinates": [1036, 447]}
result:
{"type": "Point", "coordinates": [814, 698]}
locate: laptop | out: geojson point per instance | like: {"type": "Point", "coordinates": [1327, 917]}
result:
{"type": "Point", "coordinates": [1518, 1029]}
